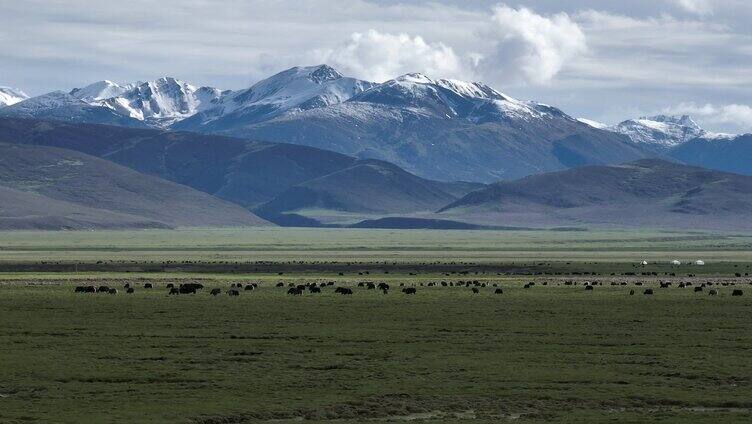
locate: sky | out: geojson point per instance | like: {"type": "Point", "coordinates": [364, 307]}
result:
{"type": "Point", "coordinates": [605, 60]}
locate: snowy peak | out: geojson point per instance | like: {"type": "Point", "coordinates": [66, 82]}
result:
{"type": "Point", "coordinates": [62, 106]}
{"type": "Point", "coordinates": [295, 86]}
{"type": "Point", "coordinates": [100, 90]}
{"type": "Point", "coordinates": [161, 102]}
{"type": "Point", "coordinates": [10, 96]}
{"type": "Point", "coordinates": [473, 101]}
{"type": "Point", "coordinates": [295, 89]}
{"type": "Point", "coordinates": [323, 73]}
{"type": "Point", "coordinates": [661, 131]}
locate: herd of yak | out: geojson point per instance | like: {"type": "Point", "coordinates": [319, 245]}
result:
{"type": "Point", "coordinates": [313, 288]}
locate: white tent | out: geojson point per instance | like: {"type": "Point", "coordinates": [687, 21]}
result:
{"type": "Point", "coordinates": [644, 262]}
{"type": "Point", "coordinates": [699, 262]}
{"type": "Point", "coordinates": [675, 262]}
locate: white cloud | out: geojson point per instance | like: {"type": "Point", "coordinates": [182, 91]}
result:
{"type": "Point", "coordinates": [531, 46]}
{"type": "Point", "coordinates": [378, 56]}
{"type": "Point", "coordinates": [698, 7]}
{"type": "Point", "coordinates": [737, 115]}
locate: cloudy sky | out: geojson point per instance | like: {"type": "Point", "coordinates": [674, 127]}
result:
{"type": "Point", "coordinates": [607, 60]}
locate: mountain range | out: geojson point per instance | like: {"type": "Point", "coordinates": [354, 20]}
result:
{"type": "Point", "coordinates": [443, 130]}
{"type": "Point", "coordinates": [262, 177]}
{"type": "Point", "coordinates": [309, 146]}
{"type": "Point", "coordinates": [168, 179]}
{"type": "Point", "coordinates": [440, 129]}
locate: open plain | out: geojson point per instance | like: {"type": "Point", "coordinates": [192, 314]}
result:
{"type": "Point", "coordinates": [552, 352]}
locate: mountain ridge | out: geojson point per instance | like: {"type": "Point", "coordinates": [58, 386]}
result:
{"type": "Point", "coordinates": [645, 193]}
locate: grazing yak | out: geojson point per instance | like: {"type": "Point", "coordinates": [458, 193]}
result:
{"type": "Point", "coordinates": [588, 288]}
{"type": "Point", "coordinates": [499, 291]}
{"type": "Point", "coordinates": [713, 292]}
{"type": "Point", "coordinates": [103, 289]}
{"type": "Point", "coordinates": [295, 291]}
{"type": "Point", "coordinates": [190, 288]}
{"type": "Point", "coordinates": [737, 292]}
{"type": "Point", "coordinates": [112, 291]}
{"type": "Point", "coordinates": [475, 290]}
{"type": "Point", "coordinates": [174, 291]}
{"type": "Point", "coordinates": [233, 292]}
{"type": "Point", "coordinates": [215, 292]}
{"type": "Point", "coordinates": [130, 290]}
{"type": "Point", "coordinates": [409, 290]}
{"type": "Point", "coordinates": [698, 289]}
{"type": "Point", "coordinates": [148, 286]}
{"type": "Point", "coordinates": [648, 291]}
{"type": "Point", "coordinates": [249, 287]}
{"type": "Point", "coordinates": [631, 292]}
{"type": "Point", "coordinates": [343, 290]}
{"type": "Point", "coordinates": [280, 285]}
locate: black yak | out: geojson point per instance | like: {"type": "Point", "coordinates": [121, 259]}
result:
{"type": "Point", "coordinates": [295, 291]}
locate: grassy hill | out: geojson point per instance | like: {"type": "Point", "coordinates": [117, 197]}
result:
{"type": "Point", "coordinates": [368, 186]}
{"type": "Point", "coordinates": [643, 193]}
{"type": "Point", "coordinates": [51, 188]}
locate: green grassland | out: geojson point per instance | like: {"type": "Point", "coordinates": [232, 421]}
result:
{"type": "Point", "coordinates": [551, 353]}
{"type": "Point", "coordinates": [371, 245]}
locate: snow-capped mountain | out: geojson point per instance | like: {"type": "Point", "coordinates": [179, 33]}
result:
{"type": "Point", "coordinates": [10, 96]}
{"type": "Point", "coordinates": [61, 106]}
{"type": "Point", "coordinates": [160, 102]}
{"type": "Point", "coordinates": [439, 129]}
{"type": "Point", "coordinates": [474, 102]}
{"type": "Point", "coordinates": [663, 131]}
{"type": "Point", "coordinates": [298, 88]}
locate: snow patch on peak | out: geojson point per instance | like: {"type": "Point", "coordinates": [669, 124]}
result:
{"type": "Point", "coordinates": [323, 73]}
{"type": "Point", "coordinates": [10, 96]}
{"type": "Point", "coordinates": [415, 78]}
{"type": "Point", "coordinates": [594, 124]}
{"type": "Point", "coordinates": [661, 131]}
{"type": "Point", "coordinates": [100, 90]}
{"type": "Point", "coordinates": [53, 100]}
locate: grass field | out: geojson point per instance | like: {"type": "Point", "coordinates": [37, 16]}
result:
{"type": "Point", "coordinates": [553, 353]}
